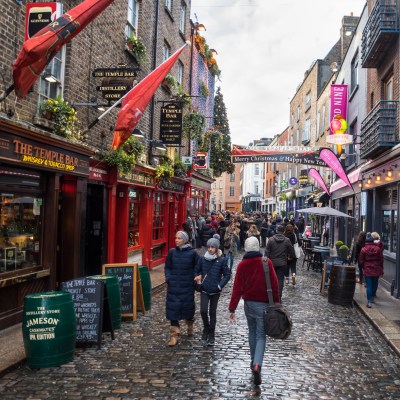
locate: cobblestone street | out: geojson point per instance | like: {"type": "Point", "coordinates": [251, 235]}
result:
{"type": "Point", "coordinates": [333, 353]}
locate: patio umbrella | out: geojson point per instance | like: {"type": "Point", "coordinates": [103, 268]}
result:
{"type": "Point", "coordinates": [324, 211]}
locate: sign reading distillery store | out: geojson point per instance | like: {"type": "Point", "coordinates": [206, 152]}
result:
{"type": "Point", "coordinates": [171, 124]}
{"type": "Point", "coordinates": [42, 155]}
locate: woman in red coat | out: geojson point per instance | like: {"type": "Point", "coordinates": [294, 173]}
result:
{"type": "Point", "coordinates": [250, 285]}
{"type": "Point", "coordinates": [371, 260]}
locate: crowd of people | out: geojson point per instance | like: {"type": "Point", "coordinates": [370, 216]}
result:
{"type": "Point", "coordinates": [203, 258]}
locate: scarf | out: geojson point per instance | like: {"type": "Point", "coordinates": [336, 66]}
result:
{"type": "Point", "coordinates": [209, 256]}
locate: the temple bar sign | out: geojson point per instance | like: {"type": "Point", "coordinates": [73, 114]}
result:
{"type": "Point", "coordinates": [115, 72]}
{"type": "Point", "coordinates": [171, 124]}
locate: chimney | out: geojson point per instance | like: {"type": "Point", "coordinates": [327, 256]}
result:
{"type": "Point", "coordinates": [347, 31]}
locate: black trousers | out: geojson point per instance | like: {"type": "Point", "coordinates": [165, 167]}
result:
{"type": "Point", "coordinates": [208, 310]}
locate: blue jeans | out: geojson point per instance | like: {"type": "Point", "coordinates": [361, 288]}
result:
{"type": "Point", "coordinates": [372, 286]}
{"type": "Point", "coordinates": [254, 314]}
{"type": "Point", "coordinates": [230, 257]}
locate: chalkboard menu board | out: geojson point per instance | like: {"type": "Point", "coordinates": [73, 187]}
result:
{"type": "Point", "coordinates": [87, 295]}
{"type": "Point", "coordinates": [125, 275]}
{"type": "Point", "coordinates": [327, 270]}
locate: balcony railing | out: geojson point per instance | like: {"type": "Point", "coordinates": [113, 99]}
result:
{"type": "Point", "coordinates": [381, 29]}
{"type": "Point", "coordinates": [379, 130]}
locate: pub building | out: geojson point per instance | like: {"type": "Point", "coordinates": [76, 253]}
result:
{"type": "Point", "coordinates": [43, 182]}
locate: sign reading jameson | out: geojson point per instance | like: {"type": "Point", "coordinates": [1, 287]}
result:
{"type": "Point", "coordinates": [283, 154]}
{"type": "Point", "coordinates": [171, 124]}
{"type": "Point", "coordinates": [42, 155]}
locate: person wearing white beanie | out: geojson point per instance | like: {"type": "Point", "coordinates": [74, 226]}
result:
{"type": "Point", "coordinates": [179, 272]}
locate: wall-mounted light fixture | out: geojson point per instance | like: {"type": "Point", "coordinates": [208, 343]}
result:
{"type": "Point", "coordinates": [49, 77]}
{"type": "Point", "coordinates": [138, 133]}
{"type": "Point", "coordinates": [378, 178]}
{"type": "Point", "coordinates": [369, 181]}
{"type": "Point", "coordinates": [99, 107]}
{"type": "Point", "coordinates": [390, 171]}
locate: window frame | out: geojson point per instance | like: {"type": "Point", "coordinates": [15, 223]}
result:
{"type": "Point", "coordinates": [132, 18]}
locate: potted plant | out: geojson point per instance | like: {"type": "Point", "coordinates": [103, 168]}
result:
{"type": "Point", "coordinates": [165, 170]}
{"type": "Point", "coordinates": [204, 89]}
{"type": "Point", "coordinates": [126, 156]}
{"type": "Point", "coordinates": [137, 48]}
{"type": "Point", "coordinates": [338, 244]}
{"type": "Point", "coordinates": [343, 251]}
{"type": "Point", "coordinates": [63, 115]}
{"type": "Point", "coordinates": [169, 82]}
{"type": "Point", "coordinates": [179, 169]}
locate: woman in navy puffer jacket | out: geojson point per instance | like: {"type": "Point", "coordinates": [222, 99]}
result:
{"type": "Point", "coordinates": [179, 275]}
{"type": "Point", "coordinates": [213, 273]}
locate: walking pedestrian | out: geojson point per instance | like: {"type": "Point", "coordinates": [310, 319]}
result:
{"type": "Point", "coordinates": [230, 243]}
{"type": "Point", "coordinates": [279, 249]}
{"type": "Point", "coordinates": [250, 285]}
{"type": "Point", "coordinates": [213, 273]}
{"type": "Point", "coordinates": [371, 259]}
{"type": "Point", "coordinates": [359, 245]}
{"type": "Point", "coordinates": [179, 275]}
{"type": "Point", "coordinates": [291, 270]}
{"type": "Point", "coordinates": [206, 233]}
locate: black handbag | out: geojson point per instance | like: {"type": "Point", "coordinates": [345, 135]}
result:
{"type": "Point", "coordinates": [277, 320]}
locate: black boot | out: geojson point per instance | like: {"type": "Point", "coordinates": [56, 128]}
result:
{"type": "Point", "coordinates": [211, 338]}
{"type": "Point", "coordinates": [257, 374]}
{"type": "Point", "coordinates": [204, 336]}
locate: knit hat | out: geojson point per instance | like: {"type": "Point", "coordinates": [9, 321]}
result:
{"type": "Point", "coordinates": [280, 229]}
{"type": "Point", "coordinates": [213, 243]}
{"type": "Point", "coordinates": [216, 236]}
{"type": "Point", "coordinates": [183, 235]}
{"type": "Point", "coordinates": [251, 244]}
{"type": "Point", "coordinates": [369, 238]}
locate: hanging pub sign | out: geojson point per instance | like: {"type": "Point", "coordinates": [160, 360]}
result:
{"type": "Point", "coordinates": [303, 178]}
{"type": "Point", "coordinates": [39, 15]}
{"type": "Point", "coordinates": [200, 161]}
{"type": "Point", "coordinates": [171, 124]}
{"type": "Point", "coordinates": [115, 81]}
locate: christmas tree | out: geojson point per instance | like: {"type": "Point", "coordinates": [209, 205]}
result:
{"type": "Point", "coordinates": [220, 157]}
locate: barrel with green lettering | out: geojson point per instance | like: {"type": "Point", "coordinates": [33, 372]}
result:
{"type": "Point", "coordinates": [114, 297]}
{"type": "Point", "coordinates": [146, 285]}
{"type": "Point", "coordinates": [49, 329]}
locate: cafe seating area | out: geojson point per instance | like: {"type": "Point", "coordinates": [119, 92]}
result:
{"type": "Point", "coordinates": [314, 254]}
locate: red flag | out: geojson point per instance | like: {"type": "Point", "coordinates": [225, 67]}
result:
{"type": "Point", "coordinates": [38, 51]}
{"type": "Point", "coordinates": [137, 99]}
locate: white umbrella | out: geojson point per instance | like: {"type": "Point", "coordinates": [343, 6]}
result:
{"type": "Point", "coordinates": [324, 211]}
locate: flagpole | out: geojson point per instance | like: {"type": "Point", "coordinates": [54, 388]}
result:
{"type": "Point", "coordinates": [6, 92]}
{"type": "Point", "coordinates": [93, 123]}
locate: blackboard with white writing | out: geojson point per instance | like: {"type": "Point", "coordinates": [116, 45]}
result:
{"type": "Point", "coordinates": [88, 298]}
{"type": "Point", "coordinates": [125, 275]}
{"type": "Point", "coordinates": [330, 262]}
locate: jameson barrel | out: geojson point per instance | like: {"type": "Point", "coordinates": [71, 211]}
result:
{"type": "Point", "coordinates": [146, 285]}
{"type": "Point", "coordinates": [114, 297]}
{"type": "Point", "coordinates": [342, 285]}
{"type": "Point", "coordinates": [49, 329]}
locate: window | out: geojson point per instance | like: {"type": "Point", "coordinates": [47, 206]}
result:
{"type": "Point", "coordinates": [292, 119]}
{"type": "Point", "coordinates": [322, 124]}
{"type": "Point", "coordinates": [168, 5]}
{"type": "Point", "coordinates": [182, 15]}
{"type": "Point", "coordinates": [21, 214]}
{"type": "Point", "coordinates": [298, 113]}
{"type": "Point", "coordinates": [388, 88]}
{"type": "Point", "coordinates": [56, 68]}
{"type": "Point", "coordinates": [132, 20]}
{"type": "Point", "coordinates": [158, 216]}
{"type": "Point", "coordinates": [133, 221]}
{"type": "Point", "coordinates": [220, 196]}
{"type": "Point", "coordinates": [220, 184]}
{"type": "Point", "coordinates": [180, 73]}
{"type": "Point", "coordinates": [256, 169]}
{"type": "Point", "coordinates": [307, 131]}
{"type": "Point", "coordinates": [308, 100]}
{"type": "Point", "coordinates": [232, 178]}
{"type": "Point", "coordinates": [256, 188]}
{"type": "Point", "coordinates": [166, 51]}
{"type": "Point", "coordinates": [231, 191]}
{"type": "Point", "coordinates": [354, 73]}
{"type": "Point", "coordinates": [215, 185]}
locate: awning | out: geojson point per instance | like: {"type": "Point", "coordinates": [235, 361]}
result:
{"type": "Point", "coordinates": [320, 197]}
{"type": "Point", "coordinates": [354, 177]}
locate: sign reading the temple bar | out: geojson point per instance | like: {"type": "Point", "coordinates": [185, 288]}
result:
{"type": "Point", "coordinates": [39, 15]}
{"type": "Point", "coordinates": [115, 72]}
{"type": "Point", "coordinates": [171, 124]}
{"type": "Point", "coordinates": [41, 155]}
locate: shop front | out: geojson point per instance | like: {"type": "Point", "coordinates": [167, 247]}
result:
{"type": "Point", "coordinates": [43, 182]}
{"type": "Point", "coordinates": [198, 193]}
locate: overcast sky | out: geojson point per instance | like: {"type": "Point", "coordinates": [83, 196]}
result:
{"type": "Point", "coordinates": [264, 47]}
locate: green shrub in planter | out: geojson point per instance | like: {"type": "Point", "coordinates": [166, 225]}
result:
{"type": "Point", "coordinates": [338, 244]}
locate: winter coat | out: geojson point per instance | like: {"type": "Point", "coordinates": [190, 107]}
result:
{"type": "Point", "coordinates": [231, 241]}
{"type": "Point", "coordinates": [264, 229]}
{"type": "Point", "coordinates": [371, 259]}
{"type": "Point", "coordinates": [300, 225]}
{"type": "Point", "coordinates": [250, 281]}
{"type": "Point", "coordinates": [206, 233]}
{"type": "Point", "coordinates": [215, 273]}
{"type": "Point", "coordinates": [179, 276]}
{"type": "Point", "coordinates": [279, 249]}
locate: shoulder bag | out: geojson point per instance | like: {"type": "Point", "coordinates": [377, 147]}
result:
{"type": "Point", "coordinates": [277, 320]}
{"type": "Point", "coordinates": [298, 251]}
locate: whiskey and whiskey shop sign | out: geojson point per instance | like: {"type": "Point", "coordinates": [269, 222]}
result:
{"type": "Point", "coordinates": [115, 81]}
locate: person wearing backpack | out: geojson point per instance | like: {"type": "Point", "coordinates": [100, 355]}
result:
{"type": "Point", "coordinates": [213, 274]}
{"type": "Point", "coordinates": [251, 286]}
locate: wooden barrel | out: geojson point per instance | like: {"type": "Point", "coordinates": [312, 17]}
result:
{"type": "Point", "coordinates": [146, 285]}
{"type": "Point", "coordinates": [113, 297]}
{"type": "Point", "coordinates": [49, 329]}
{"type": "Point", "coordinates": [342, 283]}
